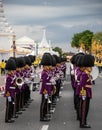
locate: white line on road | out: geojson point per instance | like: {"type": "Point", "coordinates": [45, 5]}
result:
{"type": "Point", "coordinates": [45, 127]}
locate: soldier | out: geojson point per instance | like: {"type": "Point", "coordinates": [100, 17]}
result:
{"type": "Point", "coordinates": [79, 71]}
{"type": "Point", "coordinates": [21, 64]}
{"type": "Point", "coordinates": [85, 90]}
{"type": "Point", "coordinates": [10, 90]}
{"type": "Point", "coordinates": [73, 77]}
{"type": "Point", "coordinates": [53, 82]}
{"type": "Point", "coordinates": [46, 87]}
{"type": "Point", "coordinates": [27, 75]}
{"type": "Point", "coordinates": [17, 73]}
{"type": "Point", "coordinates": [58, 75]}
{"type": "Point", "coordinates": [74, 80]}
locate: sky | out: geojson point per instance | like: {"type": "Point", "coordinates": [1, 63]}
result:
{"type": "Point", "coordinates": [61, 19]}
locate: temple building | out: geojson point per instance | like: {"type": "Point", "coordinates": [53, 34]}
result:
{"type": "Point", "coordinates": [26, 45]}
{"type": "Point", "coordinates": [44, 46]}
{"type": "Point", "coordinates": [9, 46]}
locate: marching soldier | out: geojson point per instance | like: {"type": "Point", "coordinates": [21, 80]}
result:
{"type": "Point", "coordinates": [27, 75]}
{"type": "Point", "coordinates": [53, 80]}
{"type": "Point", "coordinates": [21, 64]}
{"type": "Point", "coordinates": [78, 73]}
{"type": "Point", "coordinates": [74, 73]}
{"type": "Point", "coordinates": [58, 75]}
{"type": "Point", "coordinates": [85, 90]}
{"type": "Point", "coordinates": [73, 78]}
{"type": "Point", "coordinates": [18, 87]}
{"type": "Point", "coordinates": [10, 90]}
{"type": "Point", "coordinates": [46, 87]}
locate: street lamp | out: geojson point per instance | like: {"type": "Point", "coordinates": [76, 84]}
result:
{"type": "Point", "coordinates": [14, 46]}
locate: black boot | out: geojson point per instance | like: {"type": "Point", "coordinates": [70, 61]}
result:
{"type": "Point", "coordinates": [85, 126]}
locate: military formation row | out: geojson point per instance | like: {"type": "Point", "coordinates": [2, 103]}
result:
{"type": "Point", "coordinates": [21, 73]}
{"type": "Point", "coordinates": [81, 81]}
{"type": "Point", "coordinates": [52, 76]}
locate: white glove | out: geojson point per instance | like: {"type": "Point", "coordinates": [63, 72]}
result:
{"type": "Point", "coordinates": [9, 99]}
{"type": "Point", "coordinates": [46, 96]}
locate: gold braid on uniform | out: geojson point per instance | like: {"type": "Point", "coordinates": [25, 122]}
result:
{"type": "Point", "coordinates": [88, 73]}
{"type": "Point", "coordinates": [83, 92]}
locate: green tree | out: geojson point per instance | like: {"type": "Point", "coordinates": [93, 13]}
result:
{"type": "Point", "coordinates": [97, 43]}
{"type": "Point", "coordinates": [86, 40]}
{"type": "Point", "coordinates": [83, 39]}
{"type": "Point", "coordinates": [59, 50]}
{"type": "Point", "coordinates": [75, 40]}
{"type": "Point", "coordinates": [97, 37]}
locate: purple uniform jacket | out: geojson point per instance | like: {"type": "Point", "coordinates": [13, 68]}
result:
{"type": "Point", "coordinates": [51, 75]}
{"type": "Point", "coordinates": [57, 72]}
{"type": "Point", "coordinates": [27, 74]}
{"type": "Point", "coordinates": [22, 76]}
{"type": "Point", "coordinates": [9, 86]}
{"type": "Point", "coordinates": [45, 81]}
{"type": "Point", "coordinates": [78, 73]}
{"type": "Point", "coordinates": [85, 80]}
{"type": "Point", "coordinates": [63, 67]}
{"type": "Point", "coordinates": [17, 90]}
{"type": "Point", "coordinates": [75, 77]}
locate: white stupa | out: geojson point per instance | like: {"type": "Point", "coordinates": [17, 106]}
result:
{"type": "Point", "coordinates": [44, 43]}
{"type": "Point", "coordinates": [44, 46]}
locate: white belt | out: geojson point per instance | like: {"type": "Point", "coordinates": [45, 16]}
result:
{"type": "Point", "coordinates": [48, 83]}
{"type": "Point", "coordinates": [12, 87]}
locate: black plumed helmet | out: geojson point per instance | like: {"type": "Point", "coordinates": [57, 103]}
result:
{"type": "Point", "coordinates": [11, 64]}
{"type": "Point", "coordinates": [58, 59]}
{"type": "Point", "coordinates": [15, 59]}
{"type": "Point", "coordinates": [28, 60]}
{"type": "Point", "coordinates": [21, 62]}
{"type": "Point", "coordinates": [88, 60]}
{"type": "Point", "coordinates": [72, 60]}
{"type": "Point", "coordinates": [80, 61]}
{"type": "Point", "coordinates": [46, 59]}
{"type": "Point", "coordinates": [53, 61]}
{"type": "Point", "coordinates": [32, 58]}
{"type": "Point", "coordinates": [63, 59]}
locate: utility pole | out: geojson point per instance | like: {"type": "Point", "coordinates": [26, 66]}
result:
{"type": "Point", "coordinates": [14, 46]}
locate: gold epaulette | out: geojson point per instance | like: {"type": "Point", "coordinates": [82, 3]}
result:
{"type": "Point", "coordinates": [45, 91]}
{"type": "Point", "coordinates": [87, 72]}
{"type": "Point", "coordinates": [83, 92]}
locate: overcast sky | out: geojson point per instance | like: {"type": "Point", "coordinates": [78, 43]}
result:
{"type": "Point", "coordinates": [61, 18]}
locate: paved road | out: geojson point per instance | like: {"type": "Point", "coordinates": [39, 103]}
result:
{"type": "Point", "coordinates": [64, 117]}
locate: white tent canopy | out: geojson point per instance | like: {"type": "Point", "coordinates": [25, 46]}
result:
{"type": "Point", "coordinates": [25, 41]}
{"type": "Point", "coordinates": [25, 44]}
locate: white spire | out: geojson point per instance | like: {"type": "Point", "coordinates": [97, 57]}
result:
{"type": "Point", "coordinates": [5, 28]}
{"type": "Point", "coordinates": [44, 43]}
